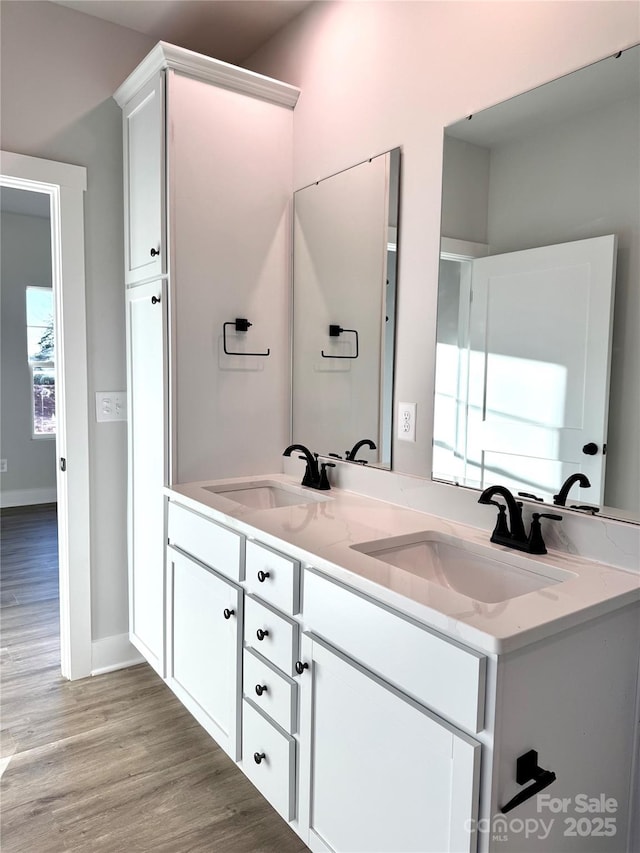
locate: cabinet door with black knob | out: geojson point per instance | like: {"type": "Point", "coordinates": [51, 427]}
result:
{"type": "Point", "coordinates": [204, 635]}
{"type": "Point", "coordinates": [381, 773]}
{"type": "Point", "coordinates": [143, 118]}
{"type": "Point", "coordinates": [147, 428]}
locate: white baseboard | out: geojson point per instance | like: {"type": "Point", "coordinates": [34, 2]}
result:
{"type": "Point", "coordinates": [111, 653]}
{"type": "Point", "coordinates": [27, 497]}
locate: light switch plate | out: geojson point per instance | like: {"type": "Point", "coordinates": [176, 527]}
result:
{"type": "Point", "coordinates": [111, 405]}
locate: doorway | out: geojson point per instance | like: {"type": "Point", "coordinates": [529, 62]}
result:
{"type": "Point", "coordinates": [64, 186]}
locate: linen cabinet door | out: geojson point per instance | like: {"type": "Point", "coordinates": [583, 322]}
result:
{"type": "Point", "coordinates": [143, 117]}
{"type": "Point", "coordinates": [204, 619]}
{"type": "Point", "coordinates": [378, 771]}
{"type": "Point", "coordinates": [147, 426]}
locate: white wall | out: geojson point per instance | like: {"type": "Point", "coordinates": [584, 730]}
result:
{"type": "Point", "coordinates": [379, 74]}
{"type": "Point", "coordinates": [231, 224]}
{"type": "Point", "coordinates": [26, 260]}
{"type": "Point", "coordinates": [59, 71]}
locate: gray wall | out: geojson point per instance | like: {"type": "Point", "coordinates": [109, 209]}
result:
{"type": "Point", "coordinates": [25, 260]}
{"type": "Point", "coordinates": [59, 70]}
{"type": "Point", "coordinates": [465, 193]}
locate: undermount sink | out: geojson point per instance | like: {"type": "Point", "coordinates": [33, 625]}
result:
{"type": "Point", "coordinates": [265, 494]}
{"type": "Point", "coordinates": [477, 571]}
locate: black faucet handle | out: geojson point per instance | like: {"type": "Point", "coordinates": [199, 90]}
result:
{"type": "Point", "coordinates": [324, 484]}
{"type": "Point", "coordinates": [530, 496]}
{"type": "Point", "coordinates": [535, 543]}
{"type": "Point", "coordinates": [501, 528]}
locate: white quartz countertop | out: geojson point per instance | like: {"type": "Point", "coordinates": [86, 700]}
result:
{"type": "Point", "coordinates": [321, 534]}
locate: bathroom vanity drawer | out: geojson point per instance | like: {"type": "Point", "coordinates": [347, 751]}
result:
{"type": "Point", "coordinates": [273, 577]}
{"type": "Point", "coordinates": [209, 542]}
{"type": "Point", "coordinates": [270, 690]}
{"type": "Point", "coordinates": [441, 674]}
{"type": "Point", "coordinates": [279, 642]}
{"type": "Point", "coordinates": [269, 760]}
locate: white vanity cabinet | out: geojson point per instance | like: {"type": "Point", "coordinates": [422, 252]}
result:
{"type": "Point", "coordinates": [381, 773]}
{"type": "Point", "coordinates": [368, 729]}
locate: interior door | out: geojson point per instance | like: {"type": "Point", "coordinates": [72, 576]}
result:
{"type": "Point", "coordinates": [538, 372]}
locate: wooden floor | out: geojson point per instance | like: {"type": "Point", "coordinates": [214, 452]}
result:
{"type": "Point", "coordinates": [111, 764]}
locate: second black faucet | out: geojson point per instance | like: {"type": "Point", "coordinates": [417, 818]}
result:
{"type": "Point", "coordinates": [313, 478]}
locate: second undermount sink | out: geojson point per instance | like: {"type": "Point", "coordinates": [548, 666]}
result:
{"type": "Point", "coordinates": [265, 494]}
{"type": "Point", "coordinates": [479, 572]}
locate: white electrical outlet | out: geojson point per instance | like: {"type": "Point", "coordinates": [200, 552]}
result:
{"type": "Point", "coordinates": [111, 405]}
{"type": "Point", "coordinates": [3, 466]}
{"type": "Point", "coordinates": [407, 421]}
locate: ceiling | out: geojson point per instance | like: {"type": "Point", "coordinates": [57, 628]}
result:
{"type": "Point", "coordinates": [230, 30]}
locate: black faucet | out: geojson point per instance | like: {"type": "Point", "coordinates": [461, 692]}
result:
{"type": "Point", "coordinates": [561, 498]}
{"type": "Point", "coordinates": [513, 532]}
{"type": "Point", "coordinates": [364, 442]}
{"type": "Point", "coordinates": [516, 536]}
{"type": "Point", "coordinates": [311, 474]}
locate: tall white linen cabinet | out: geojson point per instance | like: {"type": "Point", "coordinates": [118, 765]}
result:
{"type": "Point", "coordinates": [207, 189]}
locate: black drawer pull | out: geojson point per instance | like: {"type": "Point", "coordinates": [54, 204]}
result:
{"type": "Point", "coordinates": [228, 613]}
{"type": "Point", "coordinates": [260, 634]}
{"type": "Point", "coordinates": [260, 689]}
{"type": "Point", "coordinates": [262, 576]}
{"type": "Point", "coordinates": [259, 757]}
{"type": "Point", "coordinates": [300, 667]}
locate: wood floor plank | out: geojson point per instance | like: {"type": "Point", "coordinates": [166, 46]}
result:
{"type": "Point", "coordinates": [108, 764]}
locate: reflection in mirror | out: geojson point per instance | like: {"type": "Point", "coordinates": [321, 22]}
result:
{"type": "Point", "coordinates": [538, 336]}
{"type": "Point", "coordinates": [344, 295]}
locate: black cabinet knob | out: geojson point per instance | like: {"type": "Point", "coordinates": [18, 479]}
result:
{"type": "Point", "coordinates": [260, 689]}
{"type": "Point", "coordinates": [262, 576]}
{"type": "Point", "coordinates": [300, 667]}
{"type": "Point", "coordinates": [259, 757]}
{"type": "Point", "coordinates": [155, 252]}
{"type": "Point", "coordinates": [155, 300]}
{"type": "Point", "coordinates": [228, 613]}
{"type": "Point", "coordinates": [590, 449]}
{"type": "Point", "coordinates": [260, 634]}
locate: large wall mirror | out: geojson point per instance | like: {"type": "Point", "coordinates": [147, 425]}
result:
{"type": "Point", "coordinates": [538, 341]}
{"type": "Point", "coordinates": [344, 296]}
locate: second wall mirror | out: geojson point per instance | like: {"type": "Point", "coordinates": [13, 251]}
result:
{"type": "Point", "coordinates": [537, 368]}
{"type": "Point", "coordinates": [344, 297]}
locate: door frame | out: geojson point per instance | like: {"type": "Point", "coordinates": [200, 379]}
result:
{"type": "Point", "coordinates": [65, 184]}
